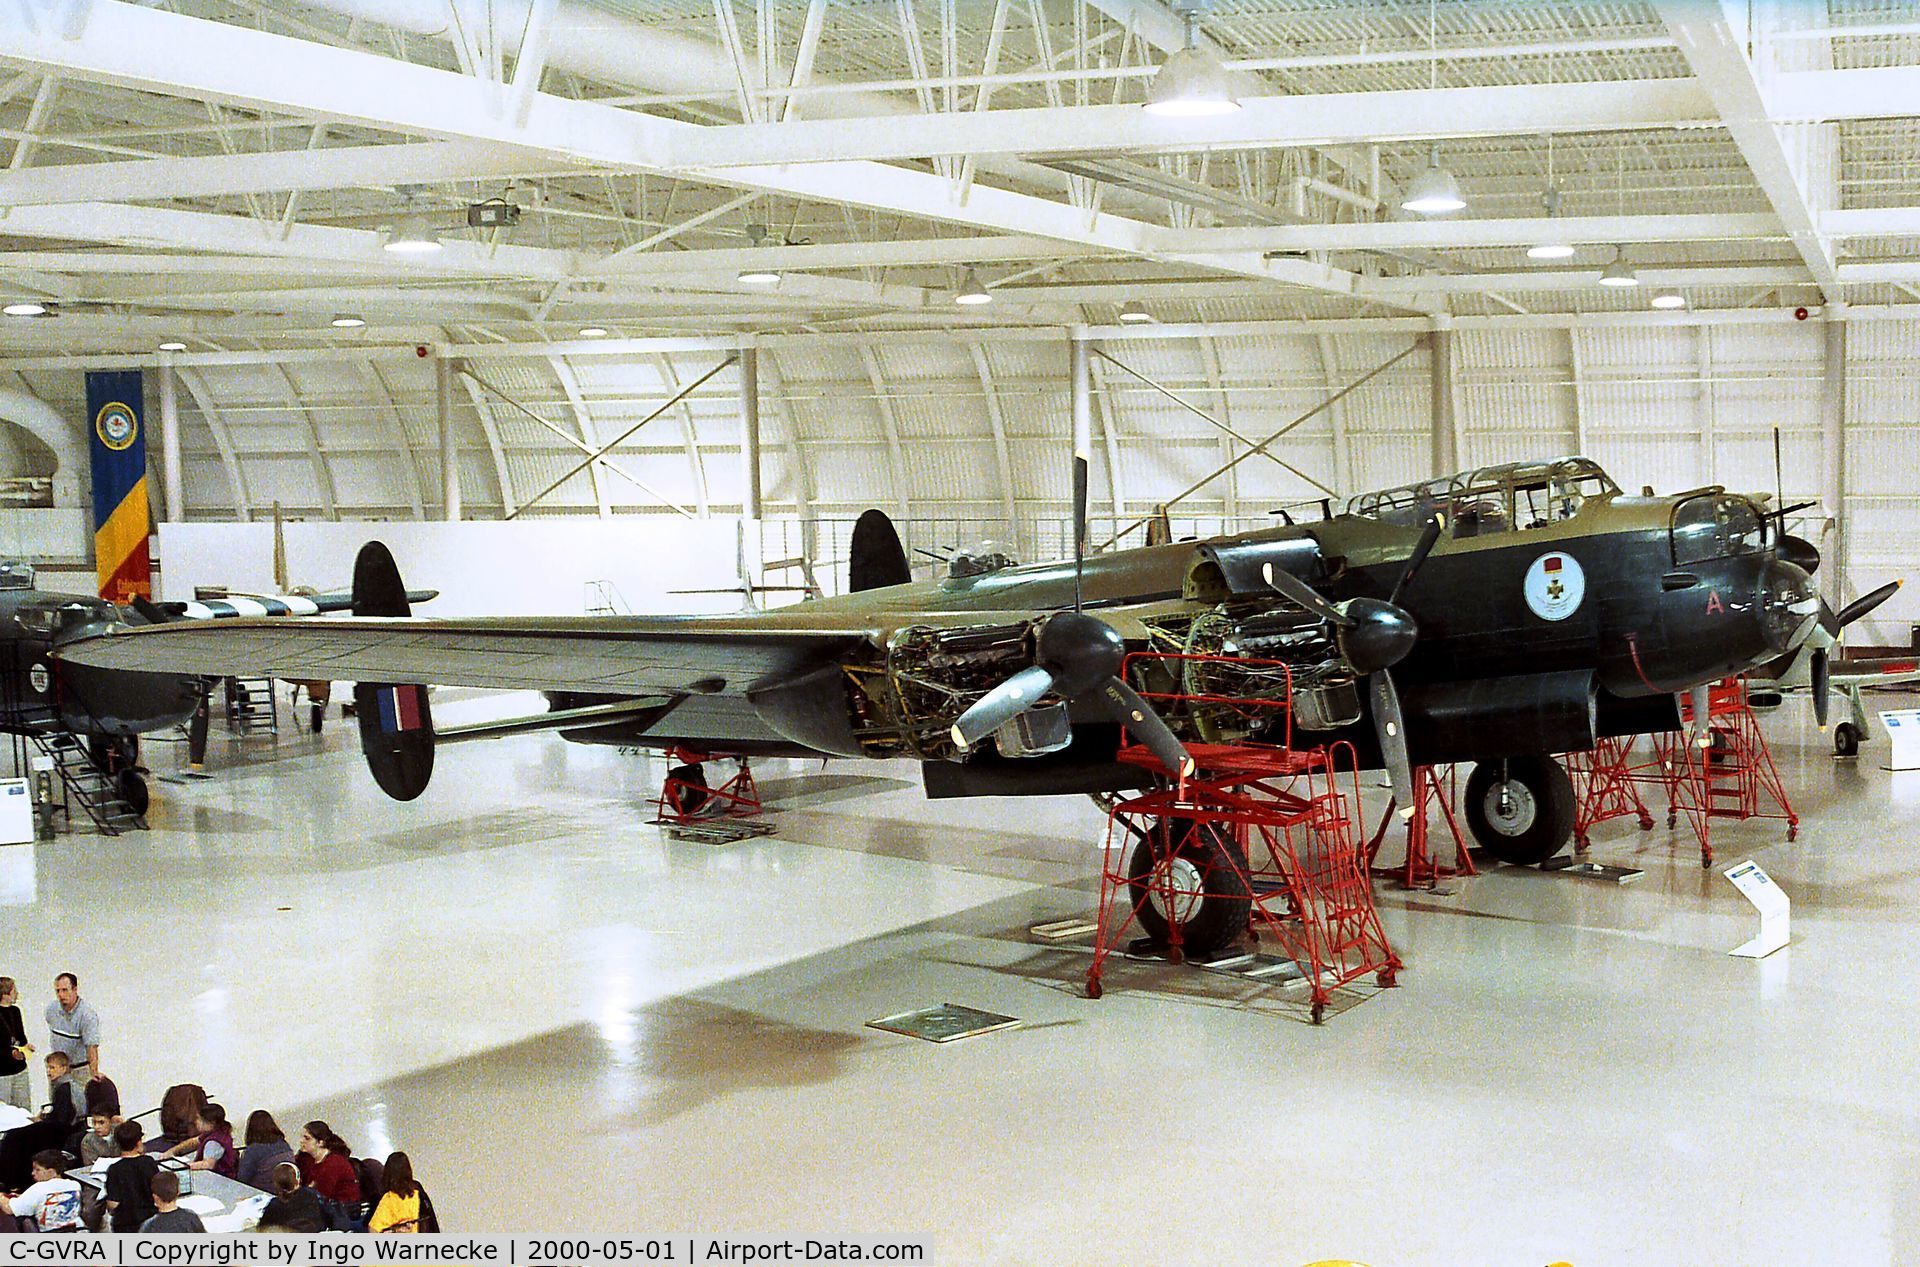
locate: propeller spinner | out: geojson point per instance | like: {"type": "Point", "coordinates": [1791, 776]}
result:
{"type": "Point", "coordinates": [1374, 635]}
{"type": "Point", "coordinates": [1076, 656]}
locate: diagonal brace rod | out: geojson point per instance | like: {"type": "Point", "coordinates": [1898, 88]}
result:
{"type": "Point", "coordinates": [579, 444]}
{"type": "Point", "coordinates": [1207, 418]}
{"type": "Point", "coordinates": [617, 441]}
{"type": "Point", "coordinates": [1320, 408]}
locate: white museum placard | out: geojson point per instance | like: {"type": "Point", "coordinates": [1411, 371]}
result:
{"type": "Point", "coordinates": [1903, 738]}
{"type": "Point", "coordinates": [16, 812]}
{"type": "Point", "coordinates": [1772, 903]}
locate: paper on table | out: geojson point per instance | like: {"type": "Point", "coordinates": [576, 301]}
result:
{"type": "Point", "coordinates": [11, 1117]}
{"type": "Point", "coordinates": [201, 1203]}
{"type": "Point", "coordinates": [103, 1165]}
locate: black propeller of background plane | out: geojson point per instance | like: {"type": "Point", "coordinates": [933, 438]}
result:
{"type": "Point", "coordinates": [1374, 635]}
{"type": "Point", "coordinates": [1076, 656]}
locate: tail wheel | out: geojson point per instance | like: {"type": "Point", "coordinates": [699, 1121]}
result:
{"type": "Point", "coordinates": [686, 789]}
{"type": "Point", "coordinates": [1520, 809]}
{"type": "Point", "coordinates": [1200, 872]}
{"type": "Point", "coordinates": [133, 790]}
{"type": "Point", "coordinates": [1846, 740]}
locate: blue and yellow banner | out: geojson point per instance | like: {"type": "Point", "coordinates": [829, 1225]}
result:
{"type": "Point", "coordinates": [118, 424]}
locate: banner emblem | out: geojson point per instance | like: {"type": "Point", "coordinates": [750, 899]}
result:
{"type": "Point", "coordinates": [117, 425]}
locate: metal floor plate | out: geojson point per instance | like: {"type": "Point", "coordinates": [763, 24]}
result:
{"type": "Point", "coordinates": [945, 1023]}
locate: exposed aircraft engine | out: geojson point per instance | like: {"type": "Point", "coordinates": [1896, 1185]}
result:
{"type": "Point", "coordinates": [1324, 691]}
{"type": "Point", "coordinates": [935, 674]}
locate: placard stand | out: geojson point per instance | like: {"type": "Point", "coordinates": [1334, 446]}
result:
{"type": "Point", "coordinates": [1770, 901]}
{"type": "Point", "coordinates": [1903, 735]}
{"type": "Point", "coordinates": [16, 812]}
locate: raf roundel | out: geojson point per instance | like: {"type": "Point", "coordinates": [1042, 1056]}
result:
{"type": "Point", "coordinates": [116, 425]}
{"type": "Point", "coordinates": [1555, 586]}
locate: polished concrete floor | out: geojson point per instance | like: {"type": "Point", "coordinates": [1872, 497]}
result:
{"type": "Point", "coordinates": [574, 1024]}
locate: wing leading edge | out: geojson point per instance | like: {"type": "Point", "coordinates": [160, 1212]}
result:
{"type": "Point", "coordinates": [612, 655]}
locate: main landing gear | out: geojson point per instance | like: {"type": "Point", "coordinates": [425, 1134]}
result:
{"type": "Point", "coordinates": [1520, 809]}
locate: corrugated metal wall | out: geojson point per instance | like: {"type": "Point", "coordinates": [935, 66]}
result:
{"type": "Point", "coordinates": [911, 426]}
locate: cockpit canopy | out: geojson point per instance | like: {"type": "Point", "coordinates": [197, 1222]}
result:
{"type": "Point", "coordinates": [1716, 525]}
{"type": "Point", "coordinates": [15, 575]}
{"type": "Point", "coordinates": [1515, 496]}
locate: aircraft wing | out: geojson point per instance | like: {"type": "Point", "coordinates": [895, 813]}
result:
{"type": "Point", "coordinates": [621, 655]}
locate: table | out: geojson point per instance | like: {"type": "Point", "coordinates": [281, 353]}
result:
{"type": "Point", "coordinates": [223, 1204]}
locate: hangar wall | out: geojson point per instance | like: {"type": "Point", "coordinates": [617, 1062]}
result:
{"type": "Point", "coordinates": [966, 437]}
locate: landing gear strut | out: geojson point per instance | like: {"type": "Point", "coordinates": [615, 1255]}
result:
{"type": "Point", "coordinates": [1520, 809]}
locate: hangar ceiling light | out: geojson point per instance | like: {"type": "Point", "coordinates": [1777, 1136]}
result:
{"type": "Point", "coordinates": [347, 321]}
{"type": "Point", "coordinates": [26, 308]}
{"type": "Point", "coordinates": [1555, 250]}
{"type": "Point", "coordinates": [173, 345]}
{"type": "Point", "coordinates": [972, 292]}
{"type": "Point", "coordinates": [1669, 299]}
{"type": "Point", "coordinates": [413, 236]}
{"type": "Point", "coordinates": [1618, 273]}
{"type": "Point", "coordinates": [758, 274]}
{"type": "Point", "coordinates": [1434, 191]}
{"type": "Point", "coordinates": [593, 332]}
{"type": "Point", "coordinates": [1133, 314]}
{"type": "Point", "coordinates": [1192, 83]}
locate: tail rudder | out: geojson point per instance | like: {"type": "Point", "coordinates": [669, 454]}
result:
{"type": "Point", "coordinates": [396, 722]}
{"type": "Point", "coordinates": [875, 558]}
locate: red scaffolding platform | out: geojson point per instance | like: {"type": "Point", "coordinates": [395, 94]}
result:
{"type": "Point", "coordinates": [687, 796]}
{"type": "Point", "coordinates": [1260, 836]}
{"type": "Point", "coordinates": [1731, 777]}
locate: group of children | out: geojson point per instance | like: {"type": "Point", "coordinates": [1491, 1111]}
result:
{"type": "Point", "coordinates": [319, 1188]}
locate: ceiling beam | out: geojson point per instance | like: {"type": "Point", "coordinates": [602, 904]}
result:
{"type": "Point", "coordinates": [1347, 118]}
{"type": "Point", "coordinates": [1800, 184]}
{"type": "Point", "coordinates": [164, 52]}
{"type": "Point", "coordinates": [273, 171]}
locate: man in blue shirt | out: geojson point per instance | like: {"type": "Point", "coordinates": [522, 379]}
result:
{"type": "Point", "coordinates": [75, 1028]}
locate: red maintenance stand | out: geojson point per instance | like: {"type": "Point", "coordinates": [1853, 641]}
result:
{"type": "Point", "coordinates": [1421, 868]}
{"type": "Point", "coordinates": [1731, 776]}
{"type": "Point", "coordinates": [687, 796]}
{"type": "Point", "coordinates": [1260, 836]}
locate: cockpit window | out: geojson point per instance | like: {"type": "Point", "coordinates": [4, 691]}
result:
{"type": "Point", "coordinates": [1716, 526]}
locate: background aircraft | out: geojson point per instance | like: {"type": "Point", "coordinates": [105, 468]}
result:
{"type": "Point", "coordinates": [1498, 617]}
{"type": "Point", "coordinates": [89, 718]}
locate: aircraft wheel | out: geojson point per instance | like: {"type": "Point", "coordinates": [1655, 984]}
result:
{"type": "Point", "coordinates": [1846, 740]}
{"type": "Point", "coordinates": [1207, 875]}
{"type": "Point", "coordinates": [133, 790]}
{"type": "Point", "coordinates": [1520, 810]}
{"type": "Point", "coordinates": [687, 789]}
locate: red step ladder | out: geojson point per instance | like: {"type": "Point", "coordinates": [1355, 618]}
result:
{"type": "Point", "coordinates": [1730, 776]}
{"type": "Point", "coordinates": [1279, 823]}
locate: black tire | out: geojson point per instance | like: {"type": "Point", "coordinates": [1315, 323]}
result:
{"type": "Point", "coordinates": [687, 792]}
{"type": "Point", "coordinates": [1846, 740]}
{"type": "Point", "coordinates": [133, 790]}
{"type": "Point", "coordinates": [1541, 821]}
{"type": "Point", "coordinates": [1207, 855]}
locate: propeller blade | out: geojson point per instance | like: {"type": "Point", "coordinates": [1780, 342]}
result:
{"type": "Point", "coordinates": [1864, 604]}
{"type": "Point", "coordinates": [1391, 728]}
{"type": "Point", "coordinates": [1079, 524]}
{"type": "Point", "coordinates": [1702, 697]}
{"type": "Point", "coordinates": [1001, 705]}
{"type": "Point", "coordinates": [1822, 685]}
{"type": "Point", "coordinates": [1122, 703]}
{"type": "Point", "coordinates": [1298, 591]}
{"type": "Point", "coordinates": [1429, 537]}
{"type": "Point", "coordinates": [1080, 357]}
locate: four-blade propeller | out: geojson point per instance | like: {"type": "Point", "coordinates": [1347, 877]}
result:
{"type": "Point", "coordinates": [1077, 657]}
{"type": "Point", "coordinates": [1374, 635]}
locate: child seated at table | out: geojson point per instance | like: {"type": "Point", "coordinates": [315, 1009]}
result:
{"type": "Point", "coordinates": [53, 1202]}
